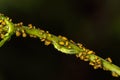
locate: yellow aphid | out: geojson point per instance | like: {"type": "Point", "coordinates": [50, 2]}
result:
{"type": "Point", "coordinates": [10, 20]}
{"type": "Point", "coordinates": [90, 52]}
{"type": "Point", "coordinates": [43, 39]}
{"type": "Point", "coordinates": [2, 36]}
{"type": "Point", "coordinates": [21, 23]}
{"type": "Point", "coordinates": [109, 59]}
{"type": "Point", "coordinates": [82, 57]}
{"type": "Point", "coordinates": [79, 54]}
{"type": "Point", "coordinates": [7, 18]}
{"type": "Point", "coordinates": [72, 41]}
{"type": "Point", "coordinates": [30, 26]}
{"type": "Point", "coordinates": [31, 35]}
{"type": "Point", "coordinates": [47, 32]}
{"type": "Point", "coordinates": [66, 43]}
{"type": "Point", "coordinates": [49, 35]}
{"type": "Point", "coordinates": [114, 74]}
{"type": "Point", "coordinates": [24, 35]}
{"type": "Point", "coordinates": [96, 67]}
{"type": "Point", "coordinates": [59, 36]}
{"type": "Point", "coordinates": [80, 45]}
{"type": "Point", "coordinates": [86, 59]}
{"type": "Point", "coordinates": [18, 33]}
{"type": "Point", "coordinates": [23, 31]}
{"type": "Point", "coordinates": [47, 42]}
{"type": "Point", "coordinates": [83, 49]}
{"type": "Point", "coordinates": [91, 63]}
{"type": "Point", "coordinates": [3, 23]}
{"type": "Point", "coordinates": [64, 38]}
{"type": "Point", "coordinates": [61, 43]}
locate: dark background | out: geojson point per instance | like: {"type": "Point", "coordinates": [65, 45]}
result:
{"type": "Point", "coordinates": [94, 23]}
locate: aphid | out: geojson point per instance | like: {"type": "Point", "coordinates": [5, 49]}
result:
{"type": "Point", "coordinates": [115, 74]}
{"type": "Point", "coordinates": [79, 54]}
{"type": "Point", "coordinates": [43, 39]}
{"type": "Point", "coordinates": [64, 38]}
{"type": "Point", "coordinates": [2, 36]}
{"type": "Point", "coordinates": [66, 43]}
{"type": "Point", "coordinates": [79, 45]}
{"type": "Point", "coordinates": [10, 20]}
{"type": "Point", "coordinates": [95, 66]}
{"type": "Point", "coordinates": [47, 42]}
{"type": "Point", "coordinates": [42, 32]}
{"type": "Point", "coordinates": [72, 41]}
{"type": "Point", "coordinates": [18, 33]}
{"type": "Point", "coordinates": [89, 52]}
{"type": "Point", "coordinates": [61, 43]}
{"type": "Point", "coordinates": [23, 31]}
{"type": "Point", "coordinates": [30, 26]}
{"type": "Point", "coordinates": [86, 58]}
{"type": "Point", "coordinates": [3, 23]}
{"type": "Point", "coordinates": [82, 57]}
{"type": "Point", "coordinates": [47, 32]}
{"type": "Point", "coordinates": [109, 59]}
{"type": "Point", "coordinates": [49, 35]}
{"type": "Point", "coordinates": [59, 36]}
{"type": "Point", "coordinates": [21, 23]}
{"type": "Point", "coordinates": [91, 63]}
{"type": "Point", "coordinates": [24, 35]}
{"type": "Point", "coordinates": [31, 35]}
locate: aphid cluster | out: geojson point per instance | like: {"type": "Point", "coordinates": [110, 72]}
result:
{"type": "Point", "coordinates": [96, 63]}
{"type": "Point", "coordinates": [64, 42]}
{"type": "Point", "coordinates": [3, 29]}
{"type": "Point", "coordinates": [46, 35]}
{"type": "Point", "coordinates": [85, 55]}
{"type": "Point", "coordinates": [20, 32]}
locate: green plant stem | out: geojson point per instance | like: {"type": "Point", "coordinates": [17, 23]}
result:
{"type": "Point", "coordinates": [60, 43]}
{"type": "Point", "coordinates": [74, 50]}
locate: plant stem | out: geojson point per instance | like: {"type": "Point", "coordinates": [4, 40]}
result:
{"type": "Point", "coordinates": [60, 43]}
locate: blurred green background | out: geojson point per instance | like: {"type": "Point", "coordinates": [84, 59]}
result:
{"type": "Point", "coordinates": [94, 23]}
